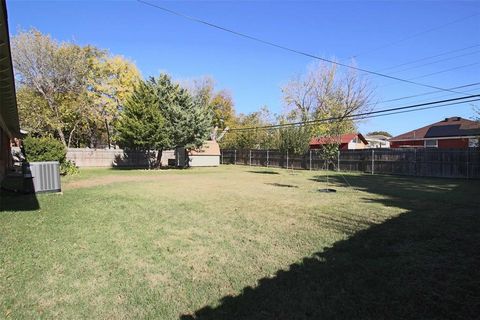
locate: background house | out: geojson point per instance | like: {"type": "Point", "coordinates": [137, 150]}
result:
{"type": "Point", "coordinates": [9, 124]}
{"type": "Point", "coordinates": [377, 141]}
{"type": "Point", "coordinates": [453, 132]}
{"type": "Point", "coordinates": [349, 141]}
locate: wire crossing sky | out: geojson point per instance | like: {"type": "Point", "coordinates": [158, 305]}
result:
{"type": "Point", "coordinates": [308, 55]}
{"type": "Point", "coordinates": [366, 115]}
{"type": "Point", "coordinates": [436, 43]}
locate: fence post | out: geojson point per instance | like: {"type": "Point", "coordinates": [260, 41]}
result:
{"type": "Point", "coordinates": [287, 159]}
{"type": "Point", "coordinates": [267, 158]}
{"type": "Point", "coordinates": [468, 164]}
{"type": "Point", "coordinates": [310, 165]}
{"type": "Point", "coordinates": [414, 161]}
{"type": "Point", "coordinates": [250, 156]}
{"type": "Point", "coordinates": [338, 160]}
{"type": "Point", "coordinates": [373, 161]}
{"type": "Point", "coordinates": [235, 157]}
{"type": "Point", "coordinates": [221, 157]}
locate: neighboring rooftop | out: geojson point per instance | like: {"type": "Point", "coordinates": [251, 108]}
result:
{"type": "Point", "coordinates": [377, 137]}
{"type": "Point", "coordinates": [449, 127]}
{"type": "Point", "coordinates": [345, 138]}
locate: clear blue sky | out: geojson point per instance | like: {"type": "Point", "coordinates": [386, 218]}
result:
{"type": "Point", "coordinates": [376, 31]}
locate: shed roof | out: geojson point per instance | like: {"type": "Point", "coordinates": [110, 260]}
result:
{"type": "Point", "coordinates": [8, 102]}
{"type": "Point", "coordinates": [449, 127]}
{"type": "Point", "coordinates": [209, 148]}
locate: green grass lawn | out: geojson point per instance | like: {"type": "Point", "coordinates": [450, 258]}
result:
{"type": "Point", "coordinates": [242, 243]}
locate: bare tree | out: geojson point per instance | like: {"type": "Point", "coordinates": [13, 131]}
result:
{"type": "Point", "coordinates": [52, 70]}
{"type": "Point", "coordinates": [324, 92]}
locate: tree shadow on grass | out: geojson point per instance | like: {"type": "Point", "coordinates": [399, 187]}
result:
{"type": "Point", "coordinates": [263, 172]}
{"type": "Point", "coordinates": [282, 185]}
{"type": "Point", "coordinates": [422, 264]}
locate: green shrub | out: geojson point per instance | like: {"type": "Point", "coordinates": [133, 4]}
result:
{"type": "Point", "coordinates": [48, 149]}
{"type": "Point", "coordinates": [68, 168]}
{"type": "Point", "coordinates": [44, 149]}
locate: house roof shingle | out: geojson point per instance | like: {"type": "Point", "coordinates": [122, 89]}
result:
{"type": "Point", "coordinates": [345, 138]}
{"type": "Point", "coordinates": [449, 127]}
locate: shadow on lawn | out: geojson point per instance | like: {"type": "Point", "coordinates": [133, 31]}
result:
{"type": "Point", "coordinates": [282, 185]}
{"type": "Point", "coordinates": [263, 172]}
{"type": "Point", "coordinates": [422, 264]}
{"type": "Point", "coordinates": [12, 201]}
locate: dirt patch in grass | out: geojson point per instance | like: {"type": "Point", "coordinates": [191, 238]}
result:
{"type": "Point", "coordinates": [95, 182]}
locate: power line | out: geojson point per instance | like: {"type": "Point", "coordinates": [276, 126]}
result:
{"type": "Point", "coordinates": [359, 115]}
{"type": "Point", "coordinates": [435, 73]}
{"type": "Point", "coordinates": [418, 34]}
{"type": "Point", "coordinates": [427, 93]}
{"type": "Point", "coordinates": [429, 57]}
{"type": "Point", "coordinates": [447, 70]}
{"type": "Point", "coordinates": [420, 109]}
{"type": "Point", "coordinates": [383, 114]}
{"type": "Point", "coordinates": [437, 61]}
{"type": "Point", "coordinates": [272, 44]}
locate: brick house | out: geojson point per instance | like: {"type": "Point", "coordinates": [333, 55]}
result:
{"type": "Point", "coordinates": [453, 132]}
{"type": "Point", "coordinates": [349, 141]}
{"type": "Point", "coordinates": [9, 124]}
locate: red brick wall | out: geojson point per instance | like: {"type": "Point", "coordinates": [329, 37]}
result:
{"type": "Point", "coordinates": [453, 143]}
{"type": "Point", "coordinates": [442, 143]}
{"type": "Point", "coordinates": [400, 144]}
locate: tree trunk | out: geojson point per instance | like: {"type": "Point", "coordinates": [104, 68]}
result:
{"type": "Point", "coordinates": [159, 158]}
{"type": "Point", "coordinates": [149, 159]}
{"type": "Point", "coordinates": [108, 133]}
{"type": "Point", "coordinates": [70, 136]}
{"type": "Point", "coordinates": [62, 137]}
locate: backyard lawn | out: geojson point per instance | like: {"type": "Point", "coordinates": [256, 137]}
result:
{"type": "Point", "coordinates": [241, 242]}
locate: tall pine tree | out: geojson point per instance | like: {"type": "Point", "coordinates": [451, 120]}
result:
{"type": "Point", "coordinates": [162, 115]}
{"type": "Point", "coordinates": [190, 121]}
{"type": "Point", "coordinates": [142, 125]}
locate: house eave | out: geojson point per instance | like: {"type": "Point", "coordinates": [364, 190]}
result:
{"type": "Point", "coordinates": [8, 103]}
{"type": "Point", "coordinates": [435, 138]}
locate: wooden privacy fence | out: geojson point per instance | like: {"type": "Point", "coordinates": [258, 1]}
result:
{"type": "Point", "coordinates": [84, 157]}
{"type": "Point", "coordinates": [447, 163]}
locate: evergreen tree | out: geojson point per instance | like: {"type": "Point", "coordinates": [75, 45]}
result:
{"type": "Point", "coordinates": [189, 121]}
{"type": "Point", "coordinates": [162, 115]}
{"type": "Point", "coordinates": [142, 125]}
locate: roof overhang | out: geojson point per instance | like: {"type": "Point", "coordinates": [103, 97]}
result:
{"type": "Point", "coordinates": [8, 102]}
{"type": "Point", "coordinates": [435, 138]}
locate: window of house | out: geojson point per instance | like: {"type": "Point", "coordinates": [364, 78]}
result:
{"type": "Point", "coordinates": [473, 143]}
{"type": "Point", "coordinates": [431, 143]}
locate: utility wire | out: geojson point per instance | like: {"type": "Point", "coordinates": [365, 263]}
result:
{"type": "Point", "coordinates": [272, 44]}
{"type": "Point", "coordinates": [381, 115]}
{"type": "Point", "coordinates": [427, 93]}
{"type": "Point", "coordinates": [418, 34]}
{"type": "Point", "coordinates": [359, 115]}
{"type": "Point", "coordinates": [429, 57]}
{"type": "Point", "coordinates": [447, 70]}
{"type": "Point", "coordinates": [437, 61]}
{"type": "Point", "coordinates": [420, 109]}
{"type": "Point", "coordinates": [435, 73]}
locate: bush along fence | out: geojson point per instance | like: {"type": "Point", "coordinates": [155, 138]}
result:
{"type": "Point", "coordinates": [445, 163]}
